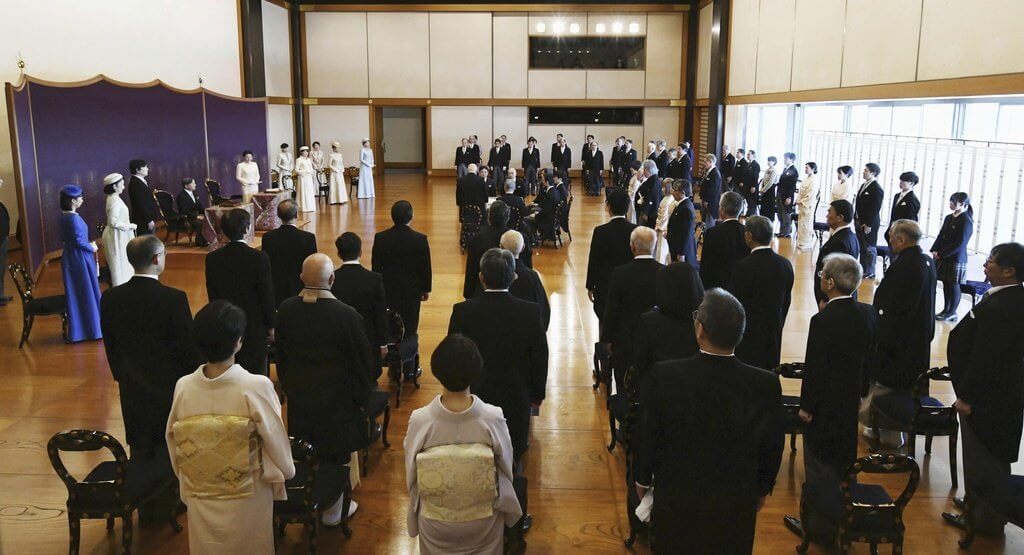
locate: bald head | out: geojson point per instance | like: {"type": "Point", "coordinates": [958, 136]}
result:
{"type": "Point", "coordinates": [642, 241]}
{"type": "Point", "coordinates": [317, 271]}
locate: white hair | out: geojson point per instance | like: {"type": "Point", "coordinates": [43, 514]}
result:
{"type": "Point", "coordinates": [651, 167]}
{"type": "Point", "coordinates": [510, 185]}
{"type": "Point", "coordinates": [642, 240]}
{"type": "Point", "coordinates": [512, 241]}
{"type": "Point", "coordinates": [472, 168]}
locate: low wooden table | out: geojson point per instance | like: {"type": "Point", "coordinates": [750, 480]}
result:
{"type": "Point", "coordinates": [211, 227]}
{"type": "Point", "coordinates": [265, 209]}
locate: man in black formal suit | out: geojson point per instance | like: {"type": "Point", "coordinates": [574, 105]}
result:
{"type": "Point", "coordinates": [510, 335]}
{"type": "Point", "coordinates": [555, 147]}
{"type": "Point", "coordinates": [784, 205]}
{"type": "Point", "coordinates": [986, 361]}
{"type": "Point", "coordinates": [710, 429]}
{"type": "Point", "coordinates": [673, 169]}
{"type": "Point", "coordinates": [627, 160]}
{"type": "Point", "coordinates": [402, 256]}
{"type": "Point", "coordinates": [585, 157]}
{"type": "Point", "coordinates": [630, 294]}
{"type": "Point", "coordinates": [513, 200]}
{"type": "Point", "coordinates": [144, 211]}
{"type": "Point", "coordinates": [527, 285]}
{"type": "Point", "coordinates": [561, 157]}
{"type": "Point", "coordinates": [649, 195]}
{"type": "Point", "coordinates": [839, 341]}
{"type": "Point", "coordinates": [841, 239]}
{"type": "Point", "coordinates": [531, 163]}
{"type": "Point", "coordinates": [763, 283]}
{"type": "Point", "coordinates": [147, 335]}
{"type": "Point", "coordinates": [471, 190]}
{"type": "Point", "coordinates": [682, 244]}
{"type": "Point", "coordinates": [474, 155]}
{"type": "Point", "coordinates": [609, 249]}
{"type": "Point", "coordinates": [685, 161]}
{"type": "Point", "coordinates": [461, 158]}
{"type": "Point", "coordinates": [660, 156]}
{"type": "Point", "coordinates": [191, 206]}
{"type": "Point", "coordinates": [241, 275]}
{"type": "Point", "coordinates": [615, 160]}
{"type": "Point", "coordinates": [905, 205]}
{"type": "Point", "coordinates": [496, 161]}
{"type": "Point", "coordinates": [868, 217]}
{"type": "Point", "coordinates": [710, 191]}
{"type": "Point", "coordinates": [595, 169]}
{"type": "Point", "coordinates": [739, 172]}
{"type": "Point", "coordinates": [547, 201]}
{"type": "Point", "coordinates": [905, 301]}
{"type": "Point", "coordinates": [752, 182]}
{"type": "Point", "coordinates": [5, 232]}
{"type": "Point", "coordinates": [490, 185]}
{"type": "Point", "coordinates": [287, 247]}
{"type": "Point", "coordinates": [325, 367]}
{"type": "Point", "coordinates": [506, 158]}
{"type": "Point", "coordinates": [724, 245]}
{"type": "Point", "coordinates": [487, 238]}
{"type": "Point", "coordinates": [363, 290]}
{"type": "Point", "coordinates": [726, 168]}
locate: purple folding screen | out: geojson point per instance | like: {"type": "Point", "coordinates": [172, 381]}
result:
{"type": "Point", "coordinates": [78, 133]}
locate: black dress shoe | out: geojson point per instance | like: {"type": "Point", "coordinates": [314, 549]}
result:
{"type": "Point", "coordinates": [959, 503]}
{"type": "Point", "coordinates": [794, 525]}
{"type": "Point", "coordinates": [527, 523]}
{"type": "Point", "coordinates": [955, 520]}
{"type": "Point", "coordinates": [5, 299]}
{"type": "Point", "coordinates": [941, 316]}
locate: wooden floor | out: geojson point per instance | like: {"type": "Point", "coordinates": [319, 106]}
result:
{"type": "Point", "coordinates": [576, 486]}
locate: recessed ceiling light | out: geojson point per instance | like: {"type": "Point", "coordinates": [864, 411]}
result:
{"type": "Point", "coordinates": [617, 27]}
{"type": "Point", "coordinates": [558, 27]}
{"type": "Point", "coordinates": [634, 27]}
{"type": "Point", "coordinates": [600, 28]}
{"type": "Point", "coordinates": [541, 27]}
{"type": "Point", "coordinates": [574, 27]}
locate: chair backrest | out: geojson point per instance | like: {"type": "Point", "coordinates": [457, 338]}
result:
{"type": "Point", "coordinates": [274, 174]}
{"type": "Point", "coordinates": [88, 440]}
{"type": "Point", "coordinates": [301, 489]}
{"type": "Point", "coordinates": [471, 214]}
{"type": "Point", "coordinates": [166, 203]}
{"type": "Point", "coordinates": [213, 189]}
{"type": "Point", "coordinates": [792, 370]}
{"type": "Point", "coordinates": [100, 226]}
{"type": "Point", "coordinates": [560, 213]}
{"type": "Point", "coordinates": [920, 391]}
{"type": "Point", "coordinates": [22, 281]}
{"type": "Point", "coordinates": [396, 327]}
{"type": "Point", "coordinates": [879, 463]}
{"type": "Point", "coordinates": [514, 217]}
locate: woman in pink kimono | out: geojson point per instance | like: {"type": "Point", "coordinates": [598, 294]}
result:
{"type": "Point", "coordinates": [228, 445]}
{"type": "Point", "coordinates": [458, 462]}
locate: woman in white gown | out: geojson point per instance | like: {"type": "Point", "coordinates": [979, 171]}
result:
{"type": "Point", "coordinates": [339, 189]}
{"type": "Point", "coordinates": [285, 166]}
{"type": "Point", "coordinates": [305, 188]}
{"type": "Point", "coordinates": [665, 209]}
{"type": "Point", "coordinates": [843, 189]}
{"type": "Point", "coordinates": [806, 201]}
{"type": "Point", "coordinates": [366, 171]}
{"type": "Point", "coordinates": [247, 173]}
{"type": "Point", "coordinates": [228, 444]}
{"type": "Point", "coordinates": [635, 179]}
{"type": "Point", "coordinates": [118, 232]}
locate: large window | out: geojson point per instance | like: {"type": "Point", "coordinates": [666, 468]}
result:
{"type": "Point", "coordinates": [587, 52]}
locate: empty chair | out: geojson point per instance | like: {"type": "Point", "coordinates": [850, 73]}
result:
{"type": "Point", "coordinates": [55, 305]}
{"type": "Point", "coordinates": [174, 222]}
{"type": "Point", "coordinates": [403, 358]}
{"type": "Point", "coordinates": [213, 189]}
{"type": "Point", "coordinates": [791, 403]}
{"type": "Point", "coordinates": [316, 486]}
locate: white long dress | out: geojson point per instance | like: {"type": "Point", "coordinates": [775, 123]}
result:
{"type": "Point", "coordinates": [305, 187]}
{"type": "Point", "coordinates": [843, 190]}
{"type": "Point", "coordinates": [634, 184]}
{"type": "Point", "coordinates": [248, 176]}
{"type": "Point", "coordinates": [339, 189]}
{"type": "Point", "coordinates": [317, 157]}
{"type": "Point", "coordinates": [285, 165]}
{"type": "Point", "coordinates": [242, 525]}
{"type": "Point", "coordinates": [366, 174]}
{"type": "Point", "coordinates": [665, 209]}
{"type": "Point", "coordinates": [116, 235]}
{"type": "Point", "coordinates": [806, 199]}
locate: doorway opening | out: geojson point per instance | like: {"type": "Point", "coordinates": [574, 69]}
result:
{"type": "Point", "coordinates": [401, 139]}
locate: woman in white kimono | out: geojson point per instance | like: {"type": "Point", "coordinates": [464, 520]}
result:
{"type": "Point", "coordinates": [806, 201]}
{"type": "Point", "coordinates": [305, 188]}
{"type": "Point", "coordinates": [458, 462]}
{"type": "Point", "coordinates": [665, 209]}
{"type": "Point", "coordinates": [118, 232]}
{"type": "Point", "coordinates": [285, 166]}
{"type": "Point", "coordinates": [635, 179]}
{"type": "Point", "coordinates": [843, 189]}
{"type": "Point", "coordinates": [228, 444]}
{"type": "Point", "coordinates": [366, 171]}
{"type": "Point", "coordinates": [339, 189]}
{"type": "Point", "coordinates": [247, 173]}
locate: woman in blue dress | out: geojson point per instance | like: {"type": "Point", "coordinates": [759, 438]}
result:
{"type": "Point", "coordinates": [78, 267]}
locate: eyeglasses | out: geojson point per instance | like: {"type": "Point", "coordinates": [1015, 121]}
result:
{"type": "Point", "coordinates": [695, 315]}
{"type": "Point", "coordinates": [821, 274]}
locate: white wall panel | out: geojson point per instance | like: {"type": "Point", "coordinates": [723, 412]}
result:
{"type": "Point", "coordinates": [615, 84]}
{"type": "Point", "coordinates": [280, 129]}
{"type": "Point", "coordinates": [659, 123]}
{"type": "Point", "coordinates": [558, 83]}
{"type": "Point", "coordinates": [460, 55]}
{"type": "Point", "coordinates": [277, 58]}
{"type": "Point", "coordinates": [511, 60]}
{"type": "Point", "coordinates": [983, 38]}
{"type": "Point", "coordinates": [574, 137]}
{"type": "Point", "coordinates": [348, 125]}
{"type": "Point", "coordinates": [818, 44]}
{"type": "Point", "coordinates": [511, 121]}
{"type": "Point", "coordinates": [664, 55]}
{"type": "Point", "coordinates": [775, 47]}
{"type": "Point", "coordinates": [703, 88]}
{"type": "Point", "coordinates": [610, 19]}
{"type": "Point", "coordinates": [399, 50]}
{"type": "Point", "coordinates": [881, 41]}
{"type": "Point", "coordinates": [605, 136]}
{"type": "Point", "coordinates": [336, 54]}
{"type": "Point", "coordinates": [743, 46]}
{"type": "Point", "coordinates": [449, 124]}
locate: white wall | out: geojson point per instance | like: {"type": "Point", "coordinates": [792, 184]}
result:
{"type": "Point", "coordinates": [664, 55]}
{"type": "Point", "coordinates": [775, 47]}
{"type": "Point", "coordinates": [336, 58]}
{"type": "Point", "coordinates": [281, 129]}
{"type": "Point", "coordinates": [399, 49]}
{"type": "Point", "coordinates": [818, 47]}
{"type": "Point", "coordinates": [703, 86]}
{"type": "Point", "coordinates": [881, 48]}
{"type": "Point", "coordinates": [743, 34]}
{"type": "Point", "coordinates": [449, 124]}
{"type": "Point", "coordinates": [511, 58]}
{"type": "Point", "coordinates": [348, 125]}
{"type": "Point", "coordinates": [127, 40]}
{"type": "Point", "coordinates": [982, 39]}
{"type": "Point", "coordinates": [460, 55]}
{"type": "Point", "coordinates": [659, 123]}
{"type": "Point", "coordinates": [403, 135]}
{"type": "Point", "coordinates": [277, 61]}
{"type": "Point", "coordinates": [511, 121]}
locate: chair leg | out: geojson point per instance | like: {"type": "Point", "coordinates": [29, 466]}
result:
{"type": "Point", "coordinates": [897, 546]}
{"type": "Point", "coordinates": [64, 327]}
{"type": "Point", "coordinates": [912, 444]}
{"type": "Point", "coordinates": [611, 428]}
{"type": "Point", "coordinates": [110, 524]}
{"type": "Point", "coordinates": [346, 505]}
{"type": "Point", "coordinates": [366, 459]}
{"type": "Point", "coordinates": [312, 526]}
{"type": "Point", "coordinates": [126, 533]}
{"type": "Point", "coordinates": [26, 327]}
{"type": "Point", "coordinates": [75, 530]}
{"type": "Point", "coordinates": [792, 442]}
{"type": "Point", "coordinates": [928, 444]}
{"type": "Point", "coordinates": [384, 427]}
{"type": "Point", "coordinates": [952, 455]}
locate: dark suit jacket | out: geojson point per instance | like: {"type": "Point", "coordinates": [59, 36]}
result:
{"type": "Point", "coordinates": [461, 157]}
{"type": "Point", "coordinates": [868, 211]}
{"type": "Point", "coordinates": [763, 283]}
{"type": "Point", "coordinates": [674, 169]}
{"type": "Point", "coordinates": [840, 341]}
{"type": "Point", "coordinates": [506, 155]}
{"type": "Point", "coordinates": [609, 249]}
{"type": "Point", "coordinates": [548, 201]}
{"type": "Point", "coordinates": [585, 156]}
{"type": "Point", "coordinates": [686, 167]}
{"type": "Point", "coordinates": [143, 205]}
{"type": "Point", "coordinates": [495, 158]}
{"type": "Point", "coordinates": [666, 331]}
{"type": "Point", "coordinates": [720, 419]}
{"type": "Point", "coordinates": [752, 179]}
{"type": "Point", "coordinates": [363, 290]}
{"type": "Point", "coordinates": [531, 160]}
{"type": "Point", "coordinates": [561, 160]}
{"type": "Point", "coordinates": [681, 241]}
{"type": "Point", "coordinates": [651, 191]}
{"type": "Point", "coordinates": [739, 175]}
{"type": "Point", "coordinates": [241, 275]}
{"type": "Point", "coordinates": [470, 189]}
{"type": "Point", "coordinates": [711, 192]}
{"type": "Point", "coordinates": [402, 256]}
{"type": "Point", "coordinates": [906, 209]}
{"type": "Point", "coordinates": [517, 202]}
{"type": "Point", "coordinates": [631, 292]}
{"type": "Point", "coordinates": [510, 335]}
{"type": "Point", "coordinates": [5, 222]}
{"type": "Point", "coordinates": [727, 165]}
{"type": "Point", "coordinates": [986, 359]}
{"type": "Point", "coordinates": [147, 334]}
{"type": "Point", "coordinates": [473, 156]}
{"type": "Point", "coordinates": [905, 301]}
{"type": "Point", "coordinates": [527, 286]}
{"type": "Point", "coordinates": [323, 360]}
{"type": "Point", "coordinates": [953, 237]}
{"type": "Point", "coordinates": [724, 246]}
{"type": "Point", "coordinates": [843, 241]}
{"type": "Point", "coordinates": [188, 206]}
{"type": "Point", "coordinates": [489, 237]}
{"type": "Point", "coordinates": [787, 185]}
{"type": "Point", "coordinates": [596, 163]}
{"type": "Point", "coordinates": [287, 247]}
{"type": "Point", "coordinates": [662, 161]}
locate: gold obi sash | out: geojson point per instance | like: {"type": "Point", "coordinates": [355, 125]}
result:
{"type": "Point", "coordinates": [216, 455]}
{"type": "Point", "coordinates": [457, 483]}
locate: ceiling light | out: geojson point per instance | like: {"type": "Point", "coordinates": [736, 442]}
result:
{"type": "Point", "coordinates": [617, 27]}
{"type": "Point", "coordinates": [634, 27]}
{"type": "Point", "coordinates": [574, 27]}
{"type": "Point", "coordinates": [558, 27]}
{"type": "Point", "coordinates": [600, 28]}
{"type": "Point", "coordinates": [541, 27]}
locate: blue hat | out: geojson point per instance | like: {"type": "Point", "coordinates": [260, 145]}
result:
{"type": "Point", "coordinates": [73, 191]}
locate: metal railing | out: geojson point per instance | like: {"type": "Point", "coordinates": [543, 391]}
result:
{"type": "Point", "coordinates": [991, 173]}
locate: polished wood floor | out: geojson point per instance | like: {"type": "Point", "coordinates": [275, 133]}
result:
{"type": "Point", "coordinates": [576, 485]}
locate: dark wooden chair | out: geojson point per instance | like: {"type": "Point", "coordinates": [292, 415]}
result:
{"type": "Point", "coordinates": [213, 189]}
{"type": "Point", "coordinates": [104, 276]}
{"type": "Point", "coordinates": [55, 305]}
{"type": "Point", "coordinates": [563, 218]}
{"type": "Point", "coordinates": [114, 489]}
{"type": "Point", "coordinates": [863, 513]}
{"type": "Point", "coordinates": [403, 358]}
{"type": "Point", "coordinates": [515, 218]}
{"type": "Point", "coordinates": [791, 403]}
{"type": "Point", "coordinates": [553, 230]}
{"type": "Point", "coordinates": [636, 526]}
{"type": "Point", "coordinates": [316, 486]}
{"type": "Point", "coordinates": [352, 173]}
{"type": "Point", "coordinates": [323, 185]}
{"type": "Point", "coordinates": [1015, 490]}
{"type": "Point", "coordinates": [919, 414]}
{"type": "Point", "coordinates": [471, 218]}
{"type": "Point", "coordinates": [174, 221]}
{"type": "Point", "coordinates": [602, 368]}
{"type": "Point", "coordinates": [622, 410]}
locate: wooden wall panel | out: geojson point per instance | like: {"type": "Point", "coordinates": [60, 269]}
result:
{"type": "Point", "coordinates": [775, 46]}
{"type": "Point", "coordinates": [818, 44]}
{"type": "Point", "coordinates": [348, 125]}
{"type": "Point", "coordinates": [703, 89]}
{"type": "Point", "coordinates": [449, 124]}
{"type": "Point", "coordinates": [511, 60]}
{"type": "Point", "coordinates": [982, 38]}
{"type": "Point", "coordinates": [743, 46]}
{"type": "Point", "coordinates": [881, 41]}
